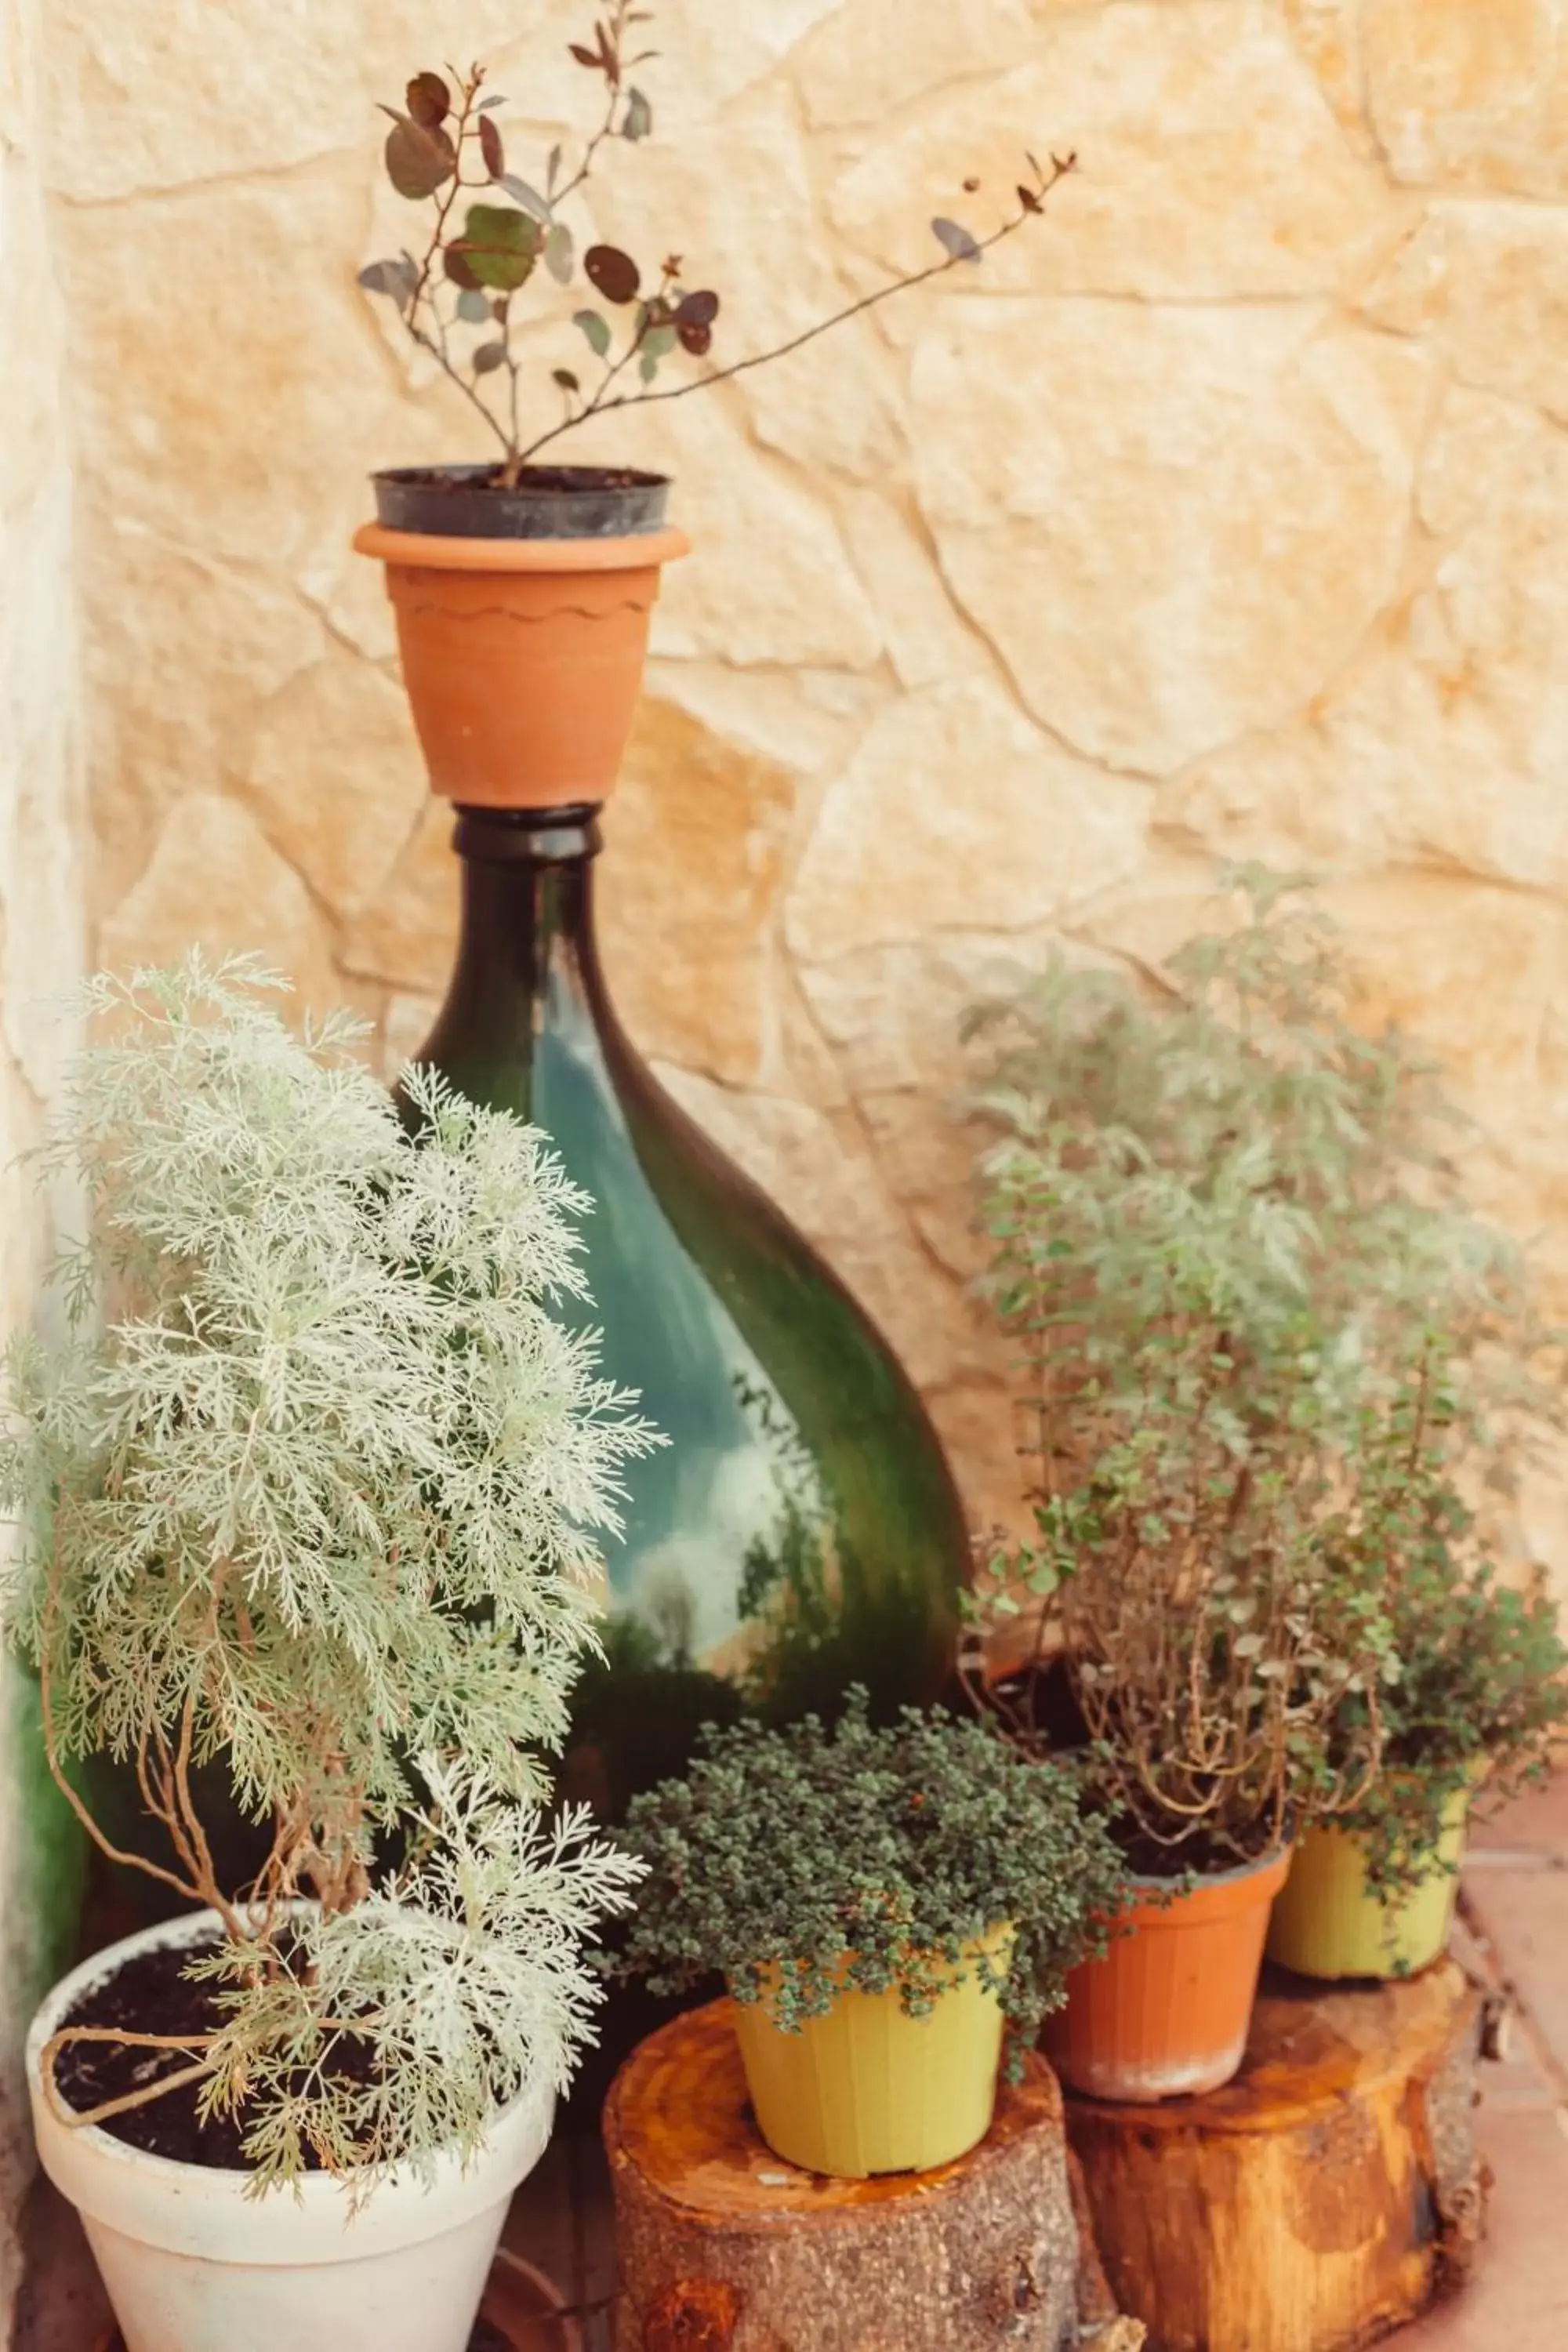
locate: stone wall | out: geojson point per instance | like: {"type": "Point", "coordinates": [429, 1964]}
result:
{"type": "Point", "coordinates": [41, 828]}
{"type": "Point", "coordinates": [1224, 513]}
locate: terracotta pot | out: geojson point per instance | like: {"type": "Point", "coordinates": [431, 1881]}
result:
{"type": "Point", "coordinates": [1165, 2013]}
{"type": "Point", "coordinates": [522, 657]}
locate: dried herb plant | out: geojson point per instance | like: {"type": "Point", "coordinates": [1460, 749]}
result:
{"type": "Point", "coordinates": [1230, 1243]}
{"type": "Point", "coordinates": [459, 296]}
{"type": "Point", "coordinates": [325, 1494]}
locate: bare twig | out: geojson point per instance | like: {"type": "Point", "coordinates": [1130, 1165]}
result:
{"type": "Point", "coordinates": [78, 2118]}
{"type": "Point", "coordinates": [62, 1782]}
{"type": "Point", "coordinates": [616, 29]}
{"type": "Point", "coordinates": [599, 406]}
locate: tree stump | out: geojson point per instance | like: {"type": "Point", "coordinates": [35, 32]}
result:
{"type": "Point", "coordinates": [1326, 2196]}
{"type": "Point", "coordinates": [726, 2248]}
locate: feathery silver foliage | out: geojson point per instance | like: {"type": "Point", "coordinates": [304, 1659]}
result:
{"type": "Point", "coordinates": [321, 1484]}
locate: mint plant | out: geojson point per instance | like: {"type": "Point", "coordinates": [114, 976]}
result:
{"type": "Point", "coordinates": [320, 1485]}
{"type": "Point", "coordinates": [491, 233]}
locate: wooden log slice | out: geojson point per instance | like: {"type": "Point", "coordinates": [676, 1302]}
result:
{"type": "Point", "coordinates": [726, 2248]}
{"type": "Point", "coordinates": [1327, 2195]}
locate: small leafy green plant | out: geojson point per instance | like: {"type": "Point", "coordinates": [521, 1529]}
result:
{"type": "Point", "coordinates": [1230, 1243]}
{"type": "Point", "coordinates": [1476, 1691]}
{"type": "Point", "coordinates": [458, 297]}
{"type": "Point", "coordinates": [318, 1487]}
{"type": "Point", "coordinates": [798, 1861]}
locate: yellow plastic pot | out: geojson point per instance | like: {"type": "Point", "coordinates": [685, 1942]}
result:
{"type": "Point", "coordinates": [866, 2089]}
{"type": "Point", "coordinates": [1328, 1922]}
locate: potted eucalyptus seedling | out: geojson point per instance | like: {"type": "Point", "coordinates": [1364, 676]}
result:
{"type": "Point", "coordinates": [1476, 1700]}
{"type": "Point", "coordinates": [318, 1484]}
{"type": "Point", "coordinates": [884, 1903]}
{"type": "Point", "coordinates": [524, 585]}
{"type": "Point", "coordinates": [1223, 1220]}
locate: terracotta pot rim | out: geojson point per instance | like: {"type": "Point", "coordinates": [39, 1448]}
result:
{"type": "Point", "coordinates": [435, 552]}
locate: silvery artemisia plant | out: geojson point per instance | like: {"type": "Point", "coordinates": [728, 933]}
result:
{"type": "Point", "coordinates": [320, 1485]}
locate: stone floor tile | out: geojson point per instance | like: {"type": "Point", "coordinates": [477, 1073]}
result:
{"type": "Point", "coordinates": [1523, 1914]}
{"type": "Point", "coordinates": [1535, 1823]}
{"type": "Point", "coordinates": [1518, 2299]}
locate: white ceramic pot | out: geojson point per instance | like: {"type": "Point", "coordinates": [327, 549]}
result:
{"type": "Point", "coordinates": [192, 2263]}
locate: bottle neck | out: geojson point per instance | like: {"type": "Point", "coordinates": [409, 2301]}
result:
{"type": "Point", "coordinates": [526, 943]}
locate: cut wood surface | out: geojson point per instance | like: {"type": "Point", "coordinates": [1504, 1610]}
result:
{"type": "Point", "coordinates": [725, 2248]}
{"type": "Point", "coordinates": [1328, 2194]}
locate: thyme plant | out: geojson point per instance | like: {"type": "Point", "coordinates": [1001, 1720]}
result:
{"type": "Point", "coordinates": [1480, 1693]}
{"type": "Point", "coordinates": [1229, 1241]}
{"type": "Point", "coordinates": [324, 1491]}
{"type": "Point", "coordinates": [801, 1861]}
{"type": "Point", "coordinates": [457, 295]}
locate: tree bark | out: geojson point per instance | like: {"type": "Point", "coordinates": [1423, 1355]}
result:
{"type": "Point", "coordinates": [1328, 2194]}
{"type": "Point", "coordinates": [725, 2248]}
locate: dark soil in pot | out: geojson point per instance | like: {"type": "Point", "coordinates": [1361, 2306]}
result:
{"type": "Point", "coordinates": [1199, 1857]}
{"type": "Point", "coordinates": [548, 502]}
{"type": "Point", "coordinates": [149, 1995]}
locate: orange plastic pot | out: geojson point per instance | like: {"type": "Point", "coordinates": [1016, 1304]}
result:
{"type": "Point", "coordinates": [522, 658]}
{"type": "Point", "coordinates": [1165, 2014]}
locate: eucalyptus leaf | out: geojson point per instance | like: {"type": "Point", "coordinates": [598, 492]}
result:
{"type": "Point", "coordinates": [419, 158]}
{"type": "Point", "coordinates": [596, 329]}
{"type": "Point", "coordinates": [396, 279]}
{"type": "Point", "coordinates": [956, 238]}
{"type": "Point", "coordinates": [499, 248]}
{"type": "Point", "coordinates": [429, 101]}
{"type": "Point", "coordinates": [560, 253]}
{"type": "Point", "coordinates": [613, 272]}
{"type": "Point", "coordinates": [528, 197]}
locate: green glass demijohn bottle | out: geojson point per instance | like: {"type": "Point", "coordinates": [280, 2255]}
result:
{"type": "Point", "coordinates": [801, 1530]}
